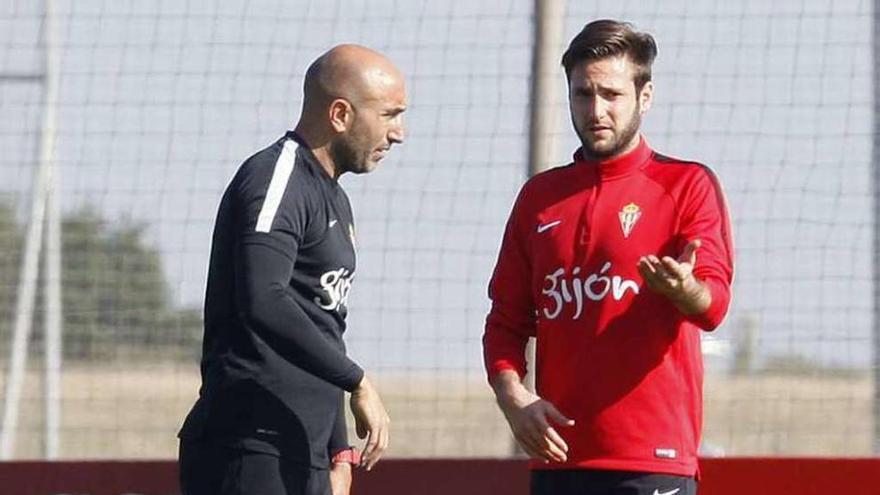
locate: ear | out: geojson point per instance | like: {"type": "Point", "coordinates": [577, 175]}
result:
{"type": "Point", "coordinates": [341, 115]}
{"type": "Point", "coordinates": [646, 97]}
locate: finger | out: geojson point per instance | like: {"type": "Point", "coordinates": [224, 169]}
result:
{"type": "Point", "coordinates": [548, 440]}
{"type": "Point", "coordinates": [372, 460]}
{"type": "Point", "coordinates": [540, 449]}
{"type": "Point", "coordinates": [658, 267]}
{"type": "Point", "coordinates": [552, 448]}
{"type": "Point", "coordinates": [645, 266]}
{"type": "Point", "coordinates": [381, 446]}
{"type": "Point", "coordinates": [375, 454]}
{"type": "Point", "coordinates": [656, 264]}
{"type": "Point", "coordinates": [386, 435]}
{"type": "Point", "coordinates": [531, 451]}
{"type": "Point", "coordinates": [382, 436]}
{"type": "Point", "coordinates": [369, 447]}
{"type": "Point", "coordinates": [559, 418]}
{"type": "Point", "coordinates": [689, 254]}
{"type": "Point", "coordinates": [539, 441]}
{"type": "Point", "coordinates": [652, 280]}
{"type": "Point", "coordinates": [556, 444]}
{"type": "Point", "coordinates": [528, 443]}
{"type": "Point", "coordinates": [674, 268]}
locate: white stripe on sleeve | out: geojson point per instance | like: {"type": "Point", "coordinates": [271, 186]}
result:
{"type": "Point", "coordinates": [280, 176]}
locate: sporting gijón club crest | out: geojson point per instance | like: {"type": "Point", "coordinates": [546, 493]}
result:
{"type": "Point", "coordinates": [628, 216]}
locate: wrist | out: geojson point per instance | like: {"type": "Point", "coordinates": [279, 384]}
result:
{"type": "Point", "coordinates": [363, 386]}
{"type": "Point", "coordinates": [694, 297]}
{"type": "Point", "coordinates": [509, 389]}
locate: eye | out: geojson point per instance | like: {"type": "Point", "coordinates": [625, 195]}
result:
{"type": "Point", "coordinates": [583, 93]}
{"type": "Point", "coordinates": [392, 114]}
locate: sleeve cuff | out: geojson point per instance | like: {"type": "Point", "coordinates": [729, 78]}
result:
{"type": "Point", "coordinates": [493, 369]}
{"type": "Point", "coordinates": [347, 455]}
{"type": "Point", "coordinates": [712, 317]}
{"type": "Point", "coordinates": [354, 378]}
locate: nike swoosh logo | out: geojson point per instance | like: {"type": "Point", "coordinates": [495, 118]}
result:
{"type": "Point", "coordinates": [331, 224]}
{"type": "Point", "coordinates": [670, 492]}
{"type": "Point", "coordinates": [548, 226]}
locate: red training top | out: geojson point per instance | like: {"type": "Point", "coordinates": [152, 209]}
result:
{"type": "Point", "coordinates": [620, 360]}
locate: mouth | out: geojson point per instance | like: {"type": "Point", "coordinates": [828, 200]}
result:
{"type": "Point", "coordinates": [380, 153]}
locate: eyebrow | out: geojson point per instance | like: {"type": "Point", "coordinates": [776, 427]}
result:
{"type": "Point", "coordinates": [601, 89]}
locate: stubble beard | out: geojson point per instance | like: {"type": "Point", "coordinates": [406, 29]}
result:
{"type": "Point", "coordinates": [618, 141]}
{"type": "Point", "coordinates": [347, 158]}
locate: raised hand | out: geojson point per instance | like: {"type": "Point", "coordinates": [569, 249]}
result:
{"type": "Point", "coordinates": [674, 279]}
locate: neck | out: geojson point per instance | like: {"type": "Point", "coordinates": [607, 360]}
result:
{"type": "Point", "coordinates": [320, 147]}
{"type": "Point", "coordinates": [619, 165]}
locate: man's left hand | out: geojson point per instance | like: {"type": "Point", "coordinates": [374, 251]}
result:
{"type": "Point", "coordinates": [674, 279]}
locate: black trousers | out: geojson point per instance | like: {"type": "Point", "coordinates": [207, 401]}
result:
{"type": "Point", "coordinates": [598, 482]}
{"type": "Point", "coordinates": [213, 469]}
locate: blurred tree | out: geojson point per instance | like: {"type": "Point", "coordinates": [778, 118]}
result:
{"type": "Point", "coordinates": [11, 238]}
{"type": "Point", "coordinates": [116, 300]}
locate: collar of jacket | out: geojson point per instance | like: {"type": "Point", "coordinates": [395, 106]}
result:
{"type": "Point", "coordinates": [619, 166]}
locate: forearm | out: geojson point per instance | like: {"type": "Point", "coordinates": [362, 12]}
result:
{"type": "Point", "coordinates": [340, 478]}
{"type": "Point", "coordinates": [511, 319]}
{"type": "Point", "coordinates": [508, 327]}
{"type": "Point", "coordinates": [262, 274]}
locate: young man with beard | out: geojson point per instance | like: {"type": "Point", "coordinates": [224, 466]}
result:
{"type": "Point", "coordinates": [614, 263]}
{"type": "Point", "coordinates": [270, 418]}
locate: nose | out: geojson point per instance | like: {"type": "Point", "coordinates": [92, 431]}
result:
{"type": "Point", "coordinates": [595, 108]}
{"type": "Point", "coordinates": [396, 134]}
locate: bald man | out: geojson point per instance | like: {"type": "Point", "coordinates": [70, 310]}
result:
{"type": "Point", "coordinates": [270, 415]}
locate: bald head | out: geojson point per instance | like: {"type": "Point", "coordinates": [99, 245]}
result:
{"type": "Point", "coordinates": [353, 72]}
{"type": "Point", "coordinates": [352, 105]}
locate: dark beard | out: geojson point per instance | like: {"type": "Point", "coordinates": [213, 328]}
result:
{"type": "Point", "coordinates": [343, 155]}
{"type": "Point", "coordinates": [625, 136]}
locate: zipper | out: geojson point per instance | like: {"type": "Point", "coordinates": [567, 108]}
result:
{"type": "Point", "coordinates": [585, 222]}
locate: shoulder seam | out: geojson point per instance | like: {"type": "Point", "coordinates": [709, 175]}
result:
{"type": "Point", "coordinates": [553, 169]}
{"type": "Point", "coordinates": [659, 157]}
{"type": "Point", "coordinates": [281, 173]}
